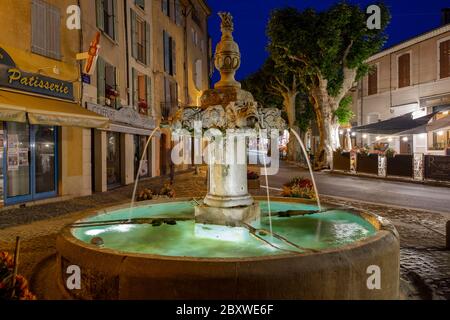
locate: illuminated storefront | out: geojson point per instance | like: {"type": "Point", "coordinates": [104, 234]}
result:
{"type": "Point", "coordinates": [34, 109]}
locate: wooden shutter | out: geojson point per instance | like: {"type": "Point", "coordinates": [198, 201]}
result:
{"type": "Point", "coordinates": [133, 34]}
{"type": "Point", "coordinates": [404, 70]}
{"type": "Point", "coordinates": [174, 56]}
{"type": "Point", "coordinates": [164, 6]}
{"type": "Point", "coordinates": [147, 43]}
{"type": "Point", "coordinates": [444, 59]}
{"type": "Point", "coordinates": [115, 20]}
{"type": "Point", "coordinates": [52, 32]}
{"type": "Point", "coordinates": [166, 51]}
{"type": "Point", "coordinates": [118, 101]}
{"type": "Point", "coordinates": [38, 29]}
{"type": "Point", "coordinates": [99, 13]}
{"type": "Point", "coordinates": [100, 80]}
{"type": "Point", "coordinates": [135, 87]}
{"type": "Point", "coordinates": [373, 80]}
{"type": "Point", "coordinates": [148, 83]}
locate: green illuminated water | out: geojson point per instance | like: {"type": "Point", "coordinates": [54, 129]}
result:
{"type": "Point", "coordinates": [318, 231]}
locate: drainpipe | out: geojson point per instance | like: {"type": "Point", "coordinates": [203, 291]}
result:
{"type": "Point", "coordinates": [186, 13]}
{"type": "Point", "coordinates": [127, 61]}
{"type": "Point", "coordinates": [80, 63]}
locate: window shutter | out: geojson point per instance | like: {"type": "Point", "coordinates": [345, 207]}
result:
{"type": "Point", "coordinates": [178, 12]}
{"type": "Point", "coordinates": [166, 51]}
{"type": "Point", "coordinates": [373, 81]}
{"type": "Point", "coordinates": [148, 82]}
{"type": "Point", "coordinates": [99, 12]}
{"type": "Point", "coordinates": [147, 43]}
{"type": "Point", "coordinates": [52, 32]}
{"type": "Point", "coordinates": [133, 34]}
{"type": "Point", "coordinates": [444, 59]}
{"type": "Point", "coordinates": [404, 70]}
{"type": "Point", "coordinates": [118, 101]}
{"type": "Point", "coordinates": [135, 87]}
{"type": "Point", "coordinates": [100, 81]}
{"type": "Point", "coordinates": [116, 21]}
{"type": "Point", "coordinates": [38, 30]}
{"type": "Point", "coordinates": [164, 4]}
{"type": "Point", "coordinates": [174, 57]}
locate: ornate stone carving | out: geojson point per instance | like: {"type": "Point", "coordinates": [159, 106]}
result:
{"type": "Point", "coordinates": [228, 57]}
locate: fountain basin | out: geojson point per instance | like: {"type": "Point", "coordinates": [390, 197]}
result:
{"type": "Point", "coordinates": [185, 261]}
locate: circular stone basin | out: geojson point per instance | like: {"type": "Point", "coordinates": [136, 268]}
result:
{"type": "Point", "coordinates": [157, 251]}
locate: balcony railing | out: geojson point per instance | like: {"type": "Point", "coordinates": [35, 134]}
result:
{"type": "Point", "coordinates": [168, 109]}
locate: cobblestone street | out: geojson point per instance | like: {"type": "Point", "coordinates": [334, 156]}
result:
{"type": "Point", "coordinates": [425, 264]}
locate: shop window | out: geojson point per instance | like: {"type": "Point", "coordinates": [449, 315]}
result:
{"type": "Point", "coordinates": [113, 163]}
{"type": "Point", "coordinates": [444, 59]}
{"type": "Point", "coordinates": [140, 39]}
{"type": "Point", "coordinates": [404, 70]}
{"type": "Point", "coordinates": [31, 162]}
{"type": "Point", "coordinates": [373, 80]}
{"type": "Point", "coordinates": [106, 17]}
{"type": "Point", "coordinates": [139, 145]}
{"type": "Point", "coordinates": [45, 29]}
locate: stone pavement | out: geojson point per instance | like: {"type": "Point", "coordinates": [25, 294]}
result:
{"type": "Point", "coordinates": [425, 264]}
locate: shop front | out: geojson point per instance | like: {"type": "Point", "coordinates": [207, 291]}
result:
{"type": "Point", "coordinates": [34, 111]}
{"type": "Point", "coordinates": [120, 147]}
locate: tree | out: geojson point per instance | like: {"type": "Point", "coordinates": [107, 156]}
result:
{"type": "Point", "coordinates": [327, 51]}
{"type": "Point", "coordinates": [278, 86]}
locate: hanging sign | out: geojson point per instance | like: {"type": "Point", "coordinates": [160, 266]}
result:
{"type": "Point", "coordinates": [91, 55]}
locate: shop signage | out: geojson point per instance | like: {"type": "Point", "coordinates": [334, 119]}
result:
{"type": "Point", "coordinates": [124, 115]}
{"type": "Point", "coordinates": [14, 78]}
{"type": "Point", "coordinates": [86, 78]}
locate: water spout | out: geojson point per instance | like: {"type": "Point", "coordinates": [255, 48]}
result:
{"type": "Point", "coordinates": [267, 187]}
{"type": "Point", "coordinates": [133, 197]}
{"type": "Point", "coordinates": [309, 166]}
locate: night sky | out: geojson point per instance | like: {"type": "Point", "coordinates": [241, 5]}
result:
{"type": "Point", "coordinates": [409, 18]}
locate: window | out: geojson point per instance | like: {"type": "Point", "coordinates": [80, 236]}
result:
{"type": "Point", "coordinates": [169, 54]}
{"type": "Point", "coordinates": [107, 89]}
{"type": "Point", "coordinates": [373, 80]}
{"type": "Point", "coordinates": [198, 74]}
{"type": "Point", "coordinates": [106, 17]}
{"type": "Point", "coordinates": [140, 39]}
{"type": "Point", "coordinates": [165, 6]}
{"type": "Point", "coordinates": [404, 70]}
{"type": "Point", "coordinates": [194, 36]}
{"type": "Point", "coordinates": [444, 59]}
{"type": "Point", "coordinates": [140, 3]}
{"type": "Point", "coordinates": [169, 105]}
{"type": "Point", "coordinates": [45, 30]}
{"type": "Point", "coordinates": [141, 92]}
{"type": "Point", "coordinates": [178, 13]}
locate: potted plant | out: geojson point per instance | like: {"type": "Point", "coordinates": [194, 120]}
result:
{"type": "Point", "coordinates": [20, 290]}
{"type": "Point", "coordinates": [142, 106]}
{"type": "Point", "coordinates": [299, 188]}
{"type": "Point", "coordinates": [253, 180]}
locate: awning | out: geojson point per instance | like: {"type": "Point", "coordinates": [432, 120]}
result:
{"type": "Point", "coordinates": [14, 106]}
{"type": "Point", "coordinates": [404, 124]}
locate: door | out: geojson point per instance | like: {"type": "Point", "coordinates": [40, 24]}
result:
{"type": "Point", "coordinates": [163, 155]}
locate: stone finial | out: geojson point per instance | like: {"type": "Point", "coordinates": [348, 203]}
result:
{"type": "Point", "coordinates": [227, 25]}
{"type": "Point", "coordinates": [228, 57]}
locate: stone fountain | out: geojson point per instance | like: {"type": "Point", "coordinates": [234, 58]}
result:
{"type": "Point", "coordinates": [223, 248]}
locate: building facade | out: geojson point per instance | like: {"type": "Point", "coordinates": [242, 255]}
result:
{"type": "Point", "coordinates": [413, 76]}
{"type": "Point", "coordinates": [69, 133]}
